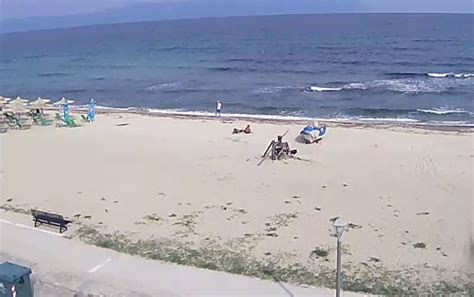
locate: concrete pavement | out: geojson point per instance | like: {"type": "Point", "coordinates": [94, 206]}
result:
{"type": "Point", "coordinates": [64, 267]}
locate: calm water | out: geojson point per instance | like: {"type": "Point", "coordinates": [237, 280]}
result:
{"type": "Point", "coordinates": [369, 67]}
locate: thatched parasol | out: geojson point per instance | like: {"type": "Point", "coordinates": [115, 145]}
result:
{"type": "Point", "coordinates": [63, 101]}
{"type": "Point", "coordinates": [18, 100]}
{"type": "Point", "coordinates": [16, 106]}
{"type": "Point", "coordinates": [40, 103]}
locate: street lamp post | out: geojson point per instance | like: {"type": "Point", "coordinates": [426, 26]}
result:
{"type": "Point", "coordinates": [339, 226]}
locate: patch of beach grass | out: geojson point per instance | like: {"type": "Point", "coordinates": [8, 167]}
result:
{"type": "Point", "coordinates": [359, 278]}
{"type": "Point", "coordinates": [419, 245]}
{"type": "Point", "coordinates": [283, 219]}
{"type": "Point", "coordinates": [15, 209]}
{"type": "Point", "coordinates": [320, 252]}
{"type": "Point", "coordinates": [153, 218]}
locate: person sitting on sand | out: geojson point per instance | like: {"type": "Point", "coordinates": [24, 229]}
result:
{"type": "Point", "coordinates": [247, 130]}
{"type": "Point", "coordinates": [281, 149]}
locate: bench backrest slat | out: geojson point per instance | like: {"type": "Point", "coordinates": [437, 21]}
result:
{"type": "Point", "coordinates": [46, 215]}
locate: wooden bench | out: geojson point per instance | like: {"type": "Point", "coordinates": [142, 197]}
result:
{"type": "Point", "coordinates": [43, 217]}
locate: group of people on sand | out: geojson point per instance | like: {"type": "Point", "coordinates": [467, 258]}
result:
{"type": "Point", "coordinates": [278, 149]}
{"type": "Point", "coordinates": [246, 130]}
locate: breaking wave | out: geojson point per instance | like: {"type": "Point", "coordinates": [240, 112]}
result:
{"type": "Point", "coordinates": [298, 115]}
{"type": "Point", "coordinates": [430, 74]}
{"type": "Point", "coordinates": [273, 90]}
{"type": "Point", "coordinates": [450, 75]}
{"type": "Point", "coordinates": [163, 86]}
{"type": "Point", "coordinates": [323, 89]}
{"type": "Point", "coordinates": [443, 110]}
{"type": "Point", "coordinates": [401, 85]}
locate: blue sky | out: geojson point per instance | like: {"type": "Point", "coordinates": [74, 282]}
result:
{"type": "Point", "coordinates": [28, 8]}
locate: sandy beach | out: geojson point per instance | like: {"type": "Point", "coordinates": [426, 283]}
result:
{"type": "Point", "coordinates": [407, 193]}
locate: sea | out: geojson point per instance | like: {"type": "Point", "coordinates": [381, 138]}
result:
{"type": "Point", "coordinates": [405, 68]}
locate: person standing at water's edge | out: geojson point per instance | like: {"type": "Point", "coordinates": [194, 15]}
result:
{"type": "Point", "coordinates": [218, 108]}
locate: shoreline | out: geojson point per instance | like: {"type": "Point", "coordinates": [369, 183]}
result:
{"type": "Point", "coordinates": [274, 119]}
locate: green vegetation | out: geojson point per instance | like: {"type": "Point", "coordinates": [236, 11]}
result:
{"type": "Point", "coordinates": [15, 209]}
{"type": "Point", "coordinates": [357, 278]}
{"type": "Point", "coordinates": [153, 217]}
{"type": "Point", "coordinates": [320, 252]}
{"type": "Point", "coordinates": [419, 245]}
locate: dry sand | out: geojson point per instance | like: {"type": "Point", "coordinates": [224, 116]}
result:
{"type": "Point", "coordinates": [191, 180]}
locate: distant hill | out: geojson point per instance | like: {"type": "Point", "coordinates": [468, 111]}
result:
{"type": "Point", "coordinates": [179, 10]}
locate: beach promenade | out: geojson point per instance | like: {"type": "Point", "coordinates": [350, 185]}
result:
{"type": "Point", "coordinates": [187, 191]}
{"type": "Point", "coordinates": [63, 267]}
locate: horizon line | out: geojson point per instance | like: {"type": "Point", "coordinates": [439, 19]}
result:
{"type": "Point", "coordinates": [214, 17]}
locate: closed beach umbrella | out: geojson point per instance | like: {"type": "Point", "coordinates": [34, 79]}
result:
{"type": "Point", "coordinates": [66, 112]}
{"type": "Point", "coordinates": [62, 102]}
{"type": "Point", "coordinates": [91, 112]}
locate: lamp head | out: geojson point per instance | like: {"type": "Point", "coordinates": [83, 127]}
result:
{"type": "Point", "coordinates": [339, 226]}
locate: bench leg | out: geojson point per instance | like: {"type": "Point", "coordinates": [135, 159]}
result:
{"type": "Point", "coordinates": [62, 229]}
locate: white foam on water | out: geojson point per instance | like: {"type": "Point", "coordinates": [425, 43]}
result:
{"type": "Point", "coordinates": [374, 120]}
{"type": "Point", "coordinates": [450, 74]}
{"type": "Point", "coordinates": [443, 110]}
{"type": "Point", "coordinates": [464, 75]}
{"type": "Point", "coordinates": [230, 115]}
{"type": "Point", "coordinates": [272, 90]}
{"type": "Point", "coordinates": [295, 116]}
{"type": "Point", "coordinates": [263, 91]}
{"type": "Point", "coordinates": [367, 120]}
{"type": "Point", "coordinates": [407, 86]}
{"type": "Point", "coordinates": [356, 86]}
{"type": "Point", "coordinates": [341, 119]}
{"type": "Point", "coordinates": [395, 120]}
{"type": "Point", "coordinates": [438, 75]}
{"type": "Point", "coordinates": [451, 123]}
{"type": "Point", "coordinates": [163, 86]}
{"type": "Point", "coordinates": [324, 89]}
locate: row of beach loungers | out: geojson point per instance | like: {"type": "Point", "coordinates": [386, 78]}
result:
{"type": "Point", "coordinates": [16, 114]}
{"type": "Point", "coordinates": [23, 122]}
